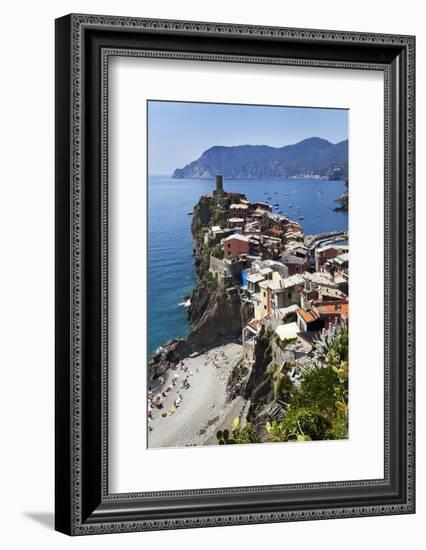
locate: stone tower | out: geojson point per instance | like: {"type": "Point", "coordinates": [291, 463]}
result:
{"type": "Point", "coordinates": [219, 185]}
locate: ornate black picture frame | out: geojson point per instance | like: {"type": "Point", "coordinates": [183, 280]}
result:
{"type": "Point", "coordinates": [83, 45]}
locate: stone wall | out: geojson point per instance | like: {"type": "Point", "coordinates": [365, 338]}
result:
{"type": "Point", "coordinates": [223, 269]}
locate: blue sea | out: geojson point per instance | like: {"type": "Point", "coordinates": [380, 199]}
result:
{"type": "Point", "coordinates": [171, 274]}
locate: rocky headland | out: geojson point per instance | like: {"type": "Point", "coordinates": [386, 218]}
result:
{"type": "Point", "coordinates": [343, 200]}
{"type": "Point", "coordinates": [216, 313]}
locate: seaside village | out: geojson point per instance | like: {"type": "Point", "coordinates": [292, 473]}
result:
{"type": "Point", "coordinates": [297, 284]}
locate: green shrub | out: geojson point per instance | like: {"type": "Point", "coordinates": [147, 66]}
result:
{"type": "Point", "coordinates": [217, 251]}
{"type": "Point", "coordinates": [237, 435]}
{"type": "Point", "coordinates": [211, 280]}
{"type": "Point", "coordinates": [306, 422]}
{"type": "Point", "coordinates": [319, 408]}
{"type": "Point", "coordinates": [317, 390]}
{"type": "Point", "coordinates": [339, 428]}
{"type": "Point", "coordinates": [284, 343]}
{"type": "Point", "coordinates": [248, 434]}
{"type": "Point", "coordinates": [290, 318]}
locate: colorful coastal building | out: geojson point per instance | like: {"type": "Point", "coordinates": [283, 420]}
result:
{"type": "Point", "coordinates": [261, 206]}
{"type": "Point", "coordinates": [332, 312]}
{"type": "Point", "coordinates": [295, 264]}
{"type": "Point", "coordinates": [235, 222]}
{"type": "Point", "coordinates": [276, 294]}
{"type": "Point", "coordinates": [235, 245]}
{"type": "Point", "coordinates": [238, 210]}
{"type": "Point", "coordinates": [308, 321]}
{"type": "Point", "coordinates": [328, 252]}
{"type": "Point", "coordinates": [323, 315]}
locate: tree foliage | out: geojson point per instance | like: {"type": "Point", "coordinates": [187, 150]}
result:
{"type": "Point", "coordinates": [317, 390]}
{"type": "Point", "coordinates": [248, 434]}
{"type": "Point", "coordinates": [238, 434]}
{"type": "Point", "coordinates": [217, 251]}
{"type": "Point", "coordinates": [299, 425]}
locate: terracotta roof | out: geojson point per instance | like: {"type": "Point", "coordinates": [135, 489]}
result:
{"type": "Point", "coordinates": [254, 324]}
{"type": "Point", "coordinates": [306, 315]}
{"type": "Point", "coordinates": [334, 307]}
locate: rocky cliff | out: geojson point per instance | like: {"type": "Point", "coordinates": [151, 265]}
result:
{"type": "Point", "coordinates": [258, 387]}
{"type": "Point", "coordinates": [266, 386]}
{"type": "Point", "coordinates": [343, 200]}
{"type": "Point", "coordinates": [216, 313]}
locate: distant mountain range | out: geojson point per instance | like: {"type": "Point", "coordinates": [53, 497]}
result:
{"type": "Point", "coordinates": [311, 157]}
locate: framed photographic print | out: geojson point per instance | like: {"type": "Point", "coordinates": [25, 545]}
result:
{"type": "Point", "coordinates": [234, 274]}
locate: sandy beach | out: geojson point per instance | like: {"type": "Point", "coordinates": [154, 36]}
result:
{"type": "Point", "coordinates": [201, 402]}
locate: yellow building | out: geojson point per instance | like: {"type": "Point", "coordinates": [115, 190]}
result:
{"type": "Point", "coordinates": [276, 293]}
{"type": "Point", "coordinates": [262, 299]}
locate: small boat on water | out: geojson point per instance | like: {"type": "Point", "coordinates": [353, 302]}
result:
{"type": "Point", "coordinates": [290, 205]}
{"type": "Point", "coordinates": [190, 213]}
{"type": "Point", "coordinates": [301, 217]}
{"type": "Point", "coordinates": [276, 204]}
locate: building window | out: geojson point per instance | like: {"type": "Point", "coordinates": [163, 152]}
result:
{"type": "Point", "coordinates": [264, 307]}
{"type": "Point", "coordinates": [289, 295]}
{"type": "Point", "coordinates": [264, 295]}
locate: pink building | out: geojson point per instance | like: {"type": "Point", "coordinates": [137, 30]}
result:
{"type": "Point", "coordinates": [234, 245]}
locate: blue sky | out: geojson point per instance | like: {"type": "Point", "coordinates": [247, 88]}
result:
{"type": "Point", "coordinates": [179, 133]}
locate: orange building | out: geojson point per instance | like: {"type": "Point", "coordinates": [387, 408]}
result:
{"type": "Point", "coordinates": [332, 313]}
{"type": "Point", "coordinates": [323, 315]}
